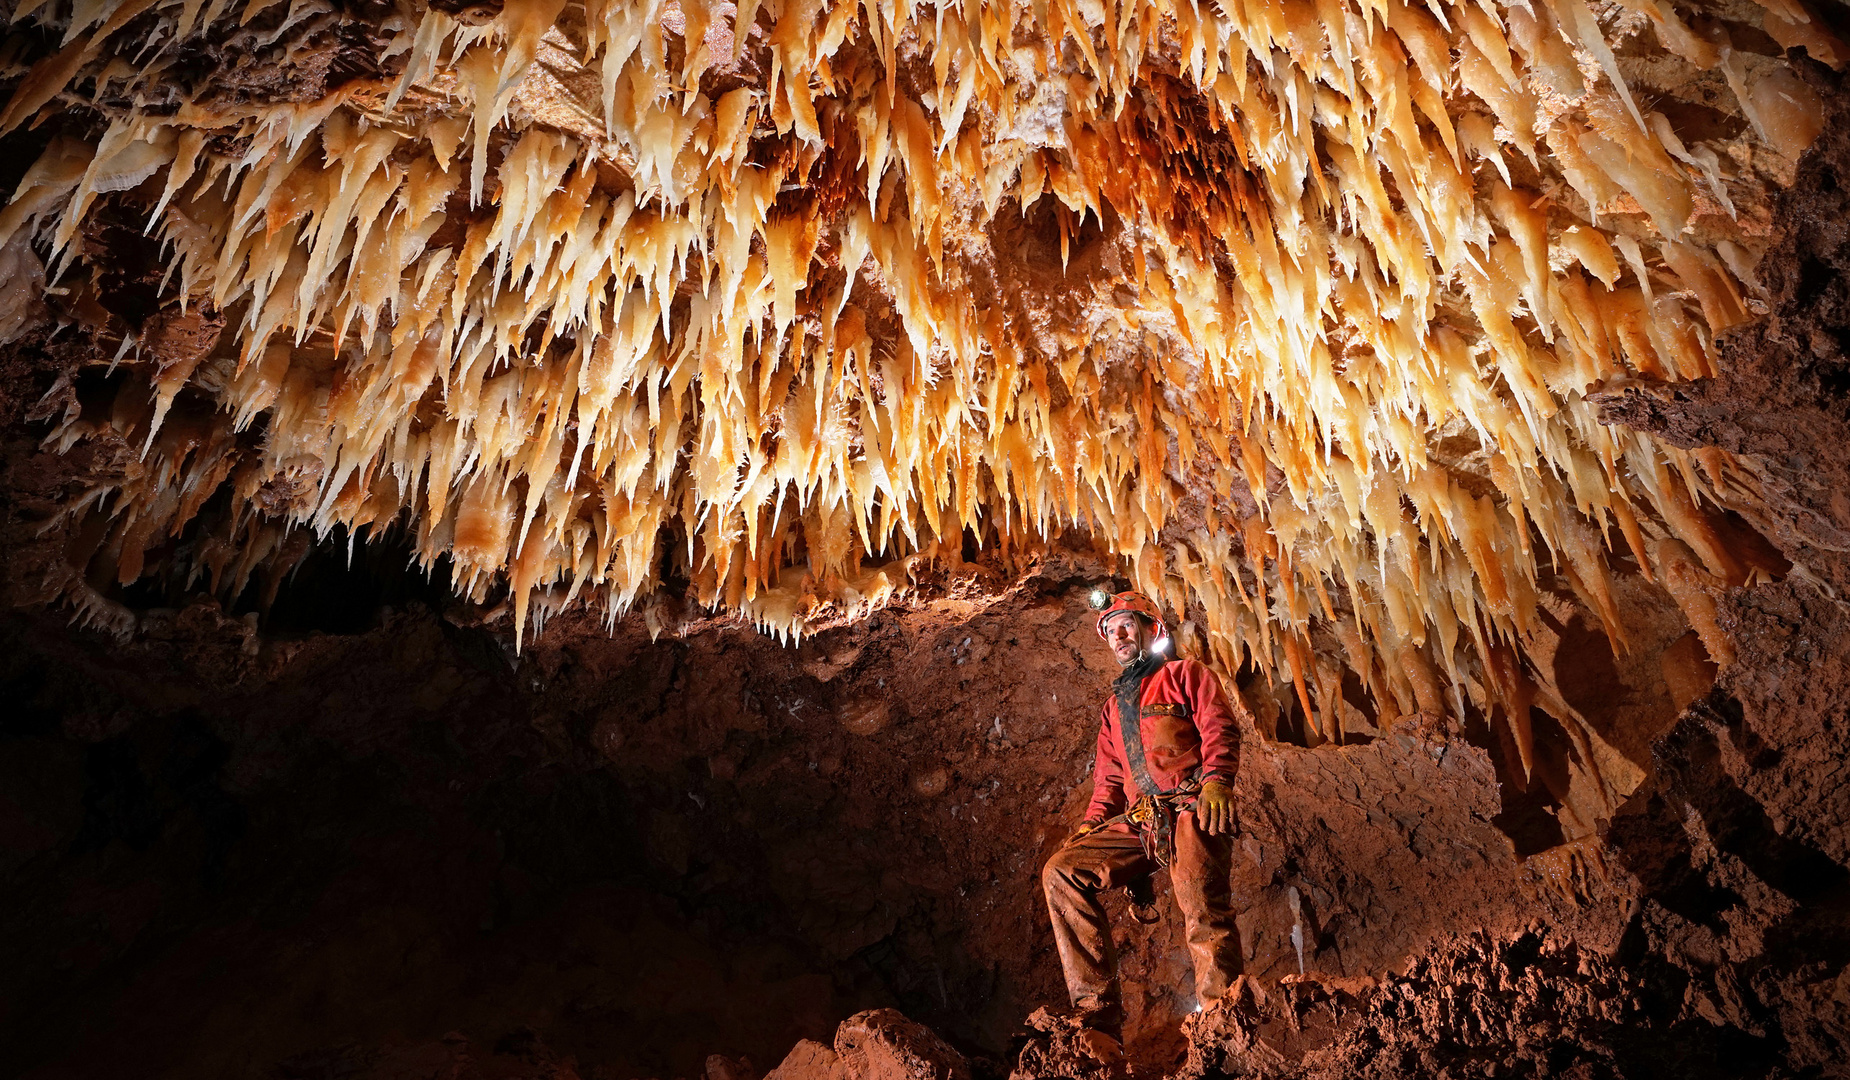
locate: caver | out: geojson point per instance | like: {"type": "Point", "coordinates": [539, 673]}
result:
{"type": "Point", "coordinates": [1168, 754]}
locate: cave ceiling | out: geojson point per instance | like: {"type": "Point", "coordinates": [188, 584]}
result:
{"type": "Point", "coordinates": [1297, 312]}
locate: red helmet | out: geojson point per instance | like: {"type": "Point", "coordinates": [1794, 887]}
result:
{"type": "Point", "coordinates": [1131, 601]}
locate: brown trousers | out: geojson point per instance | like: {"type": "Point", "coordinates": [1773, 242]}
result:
{"type": "Point", "coordinates": [1200, 875]}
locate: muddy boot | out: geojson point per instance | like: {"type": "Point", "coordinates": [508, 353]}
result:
{"type": "Point", "coordinates": [1085, 1044]}
{"type": "Point", "coordinates": [1142, 894]}
{"type": "Point", "coordinates": [1101, 1033]}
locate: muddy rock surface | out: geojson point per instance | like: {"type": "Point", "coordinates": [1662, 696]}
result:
{"type": "Point", "coordinates": [716, 844]}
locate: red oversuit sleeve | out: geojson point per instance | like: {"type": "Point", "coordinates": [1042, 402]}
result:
{"type": "Point", "coordinates": [1217, 718]}
{"type": "Point", "coordinates": [1107, 772]}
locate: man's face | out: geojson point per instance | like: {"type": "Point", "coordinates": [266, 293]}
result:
{"type": "Point", "coordinates": [1127, 635]}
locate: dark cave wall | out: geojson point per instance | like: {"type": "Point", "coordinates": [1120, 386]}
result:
{"type": "Point", "coordinates": [648, 851]}
{"type": "Point", "coordinates": [371, 844]}
{"type": "Point", "coordinates": [231, 849]}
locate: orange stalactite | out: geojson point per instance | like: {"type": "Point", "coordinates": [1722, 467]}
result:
{"type": "Point", "coordinates": [576, 291]}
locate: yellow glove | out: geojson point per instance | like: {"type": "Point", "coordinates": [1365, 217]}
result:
{"type": "Point", "coordinates": [1214, 808]}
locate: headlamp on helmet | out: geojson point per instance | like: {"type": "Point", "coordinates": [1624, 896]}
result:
{"type": "Point", "coordinates": [1134, 602]}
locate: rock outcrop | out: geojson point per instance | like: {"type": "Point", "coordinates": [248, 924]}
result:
{"type": "Point", "coordinates": [879, 1044]}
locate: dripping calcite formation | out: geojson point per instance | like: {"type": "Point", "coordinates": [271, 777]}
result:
{"type": "Point", "coordinates": [1294, 307]}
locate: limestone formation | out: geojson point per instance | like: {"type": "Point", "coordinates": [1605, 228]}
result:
{"type": "Point", "coordinates": [1293, 309]}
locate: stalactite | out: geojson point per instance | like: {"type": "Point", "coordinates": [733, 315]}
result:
{"type": "Point", "coordinates": [565, 318]}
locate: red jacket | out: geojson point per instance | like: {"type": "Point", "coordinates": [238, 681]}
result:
{"type": "Point", "coordinates": [1175, 746]}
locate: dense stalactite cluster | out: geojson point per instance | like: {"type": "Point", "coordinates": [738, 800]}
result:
{"type": "Point", "coordinates": [1293, 306]}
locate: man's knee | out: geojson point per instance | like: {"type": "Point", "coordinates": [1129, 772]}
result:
{"type": "Point", "coordinates": [1202, 895]}
{"type": "Point", "coordinates": [1073, 869]}
{"type": "Point", "coordinates": [1056, 872]}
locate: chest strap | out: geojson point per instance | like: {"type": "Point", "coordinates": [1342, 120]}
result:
{"type": "Point", "coordinates": [1129, 688]}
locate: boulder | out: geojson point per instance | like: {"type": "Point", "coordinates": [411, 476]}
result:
{"type": "Point", "coordinates": [882, 1044]}
{"type": "Point", "coordinates": [808, 1060]}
